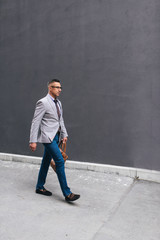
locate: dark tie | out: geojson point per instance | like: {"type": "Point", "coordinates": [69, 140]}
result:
{"type": "Point", "coordinates": [58, 111]}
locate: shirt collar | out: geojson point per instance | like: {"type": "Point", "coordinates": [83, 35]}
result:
{"type": "Point", "coordinates": [51, 97]}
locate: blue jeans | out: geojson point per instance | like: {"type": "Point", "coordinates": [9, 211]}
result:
{"type": "Point", "coordinates": [51, 150]}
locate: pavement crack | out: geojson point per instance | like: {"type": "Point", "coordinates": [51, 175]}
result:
{"type": "Point", "coordinates": [114, 210]}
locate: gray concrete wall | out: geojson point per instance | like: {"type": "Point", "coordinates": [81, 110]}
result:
{"type": "Point", "coordinates": [107, 54]}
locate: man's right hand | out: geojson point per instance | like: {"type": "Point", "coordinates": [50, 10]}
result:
{"type": "Point", "coordinates": [33, 146]}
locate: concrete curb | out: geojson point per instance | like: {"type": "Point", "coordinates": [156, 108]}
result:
{"type": "Point", "coordinates": [138, 173]}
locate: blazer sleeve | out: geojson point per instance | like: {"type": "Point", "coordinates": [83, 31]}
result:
{"type": "Point", "coordinates": [36, 121]}
{"type": "Point", "coordinates": [63, 128]}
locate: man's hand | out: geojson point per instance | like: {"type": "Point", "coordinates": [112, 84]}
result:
{"type": "Point", "coordinates": [33, 146]}
{"type": "Point", "coordinates": [64, 140]}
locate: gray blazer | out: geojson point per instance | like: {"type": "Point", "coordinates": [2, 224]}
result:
{"type": "Point", "coordinates": [45, 123]}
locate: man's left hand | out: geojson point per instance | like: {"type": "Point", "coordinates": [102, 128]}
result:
{"type": "Point", "coordinates": [65, 140]}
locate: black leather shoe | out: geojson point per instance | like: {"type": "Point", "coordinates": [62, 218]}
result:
{"type": "Point", "coordinates": [43, 192]}
{"type": "Point", "coordinates": [72, 197]}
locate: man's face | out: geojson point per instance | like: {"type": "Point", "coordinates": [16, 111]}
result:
{"type": "Point", "coordinates": [55, 89]}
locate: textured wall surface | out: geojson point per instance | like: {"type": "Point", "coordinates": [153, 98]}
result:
{"type": "Point", "coordinates": [107, 54]}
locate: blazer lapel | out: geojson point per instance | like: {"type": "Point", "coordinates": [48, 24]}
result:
{"type": "Point", "coordinates": [52, 105]}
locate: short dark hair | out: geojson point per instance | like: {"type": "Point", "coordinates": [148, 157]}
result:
{"type": "Point", "coordinates": [52, 81]}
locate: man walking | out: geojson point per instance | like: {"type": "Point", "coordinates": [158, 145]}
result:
{"type": "Point", "coordinates": [48, 128]}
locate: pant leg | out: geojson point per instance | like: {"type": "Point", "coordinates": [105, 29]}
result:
{"type": "Point", "coordinates": [43, 169]}
{"type": "Point", "coordinates": [54, 151]}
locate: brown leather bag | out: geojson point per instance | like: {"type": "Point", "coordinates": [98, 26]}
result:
{"type": "Point", "coordinates": [62, 147]}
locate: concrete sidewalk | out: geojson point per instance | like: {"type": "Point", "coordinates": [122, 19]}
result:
{"type": "Point", "coordinates": [111, 207]}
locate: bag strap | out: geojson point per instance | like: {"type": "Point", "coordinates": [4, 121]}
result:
{"type": "Point", "coordinates": [63, 146]}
